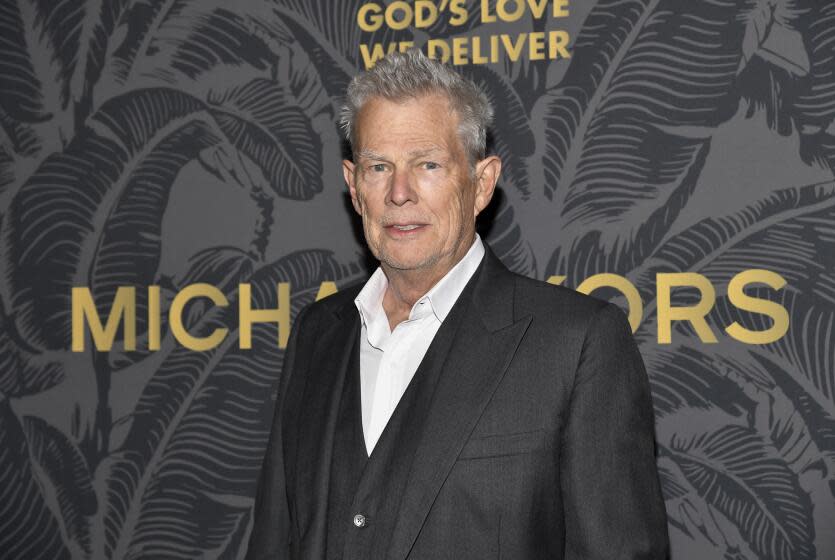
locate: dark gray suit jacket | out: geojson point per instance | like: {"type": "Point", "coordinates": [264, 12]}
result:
{"type": "Point", "coordinates": [538, 442]}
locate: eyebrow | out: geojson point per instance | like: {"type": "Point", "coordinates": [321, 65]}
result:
{"type": "Point", "coordinates": [424, 152]}
{"type": "Point", "coordinates": [366, 153]}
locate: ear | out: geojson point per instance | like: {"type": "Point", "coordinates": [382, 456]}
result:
{"type": "Point", "coordinates": [487, 175]}
{"type": "Point", "coordinates": [348, 170]}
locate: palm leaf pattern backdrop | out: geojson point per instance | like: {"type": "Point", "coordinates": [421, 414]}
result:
{"type": "Point", "coordinates": [171, 142]}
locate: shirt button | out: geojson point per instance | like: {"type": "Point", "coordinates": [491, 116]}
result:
{"type": "Point", "coordinates": [359, 520]}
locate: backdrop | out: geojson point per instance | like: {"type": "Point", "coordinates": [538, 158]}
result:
{"type": "Point", "coordinates": [170, 170]}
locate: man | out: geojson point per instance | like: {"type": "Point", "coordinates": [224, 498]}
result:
{"type": "Point", "coordinates": [451, 408]}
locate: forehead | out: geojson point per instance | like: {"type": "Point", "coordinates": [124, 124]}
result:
{"type": "Point", "coordinates": [422, 122]}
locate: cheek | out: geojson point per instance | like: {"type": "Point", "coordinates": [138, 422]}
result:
{"type": "Point", "coordinates": [366, 203]}
{"type": "Point", "coordinates": [361, 205]}
{"type": "Point", "coordinates": [456, 214]}
{"type": "Point", "coordinates": [465, 206]}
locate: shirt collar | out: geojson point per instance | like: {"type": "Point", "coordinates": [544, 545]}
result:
{"type": "Point", "coordinates": [440, 298]}
{"type": "Point", "coordinates": [443, 295]}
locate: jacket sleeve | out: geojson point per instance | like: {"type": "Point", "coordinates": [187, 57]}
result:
{"type": "Point", "coordinates": [271, 529]}
{"type": "Point", "coordinates": [611, 493]}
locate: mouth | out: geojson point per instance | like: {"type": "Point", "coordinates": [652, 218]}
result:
{"type": "Point", "coordinates": [401, 230]}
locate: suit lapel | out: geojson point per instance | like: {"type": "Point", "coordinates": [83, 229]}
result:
{"type": "Point", "coordinates": [484, 345]}
{"type": "Point", "coordinates": [317, 423]}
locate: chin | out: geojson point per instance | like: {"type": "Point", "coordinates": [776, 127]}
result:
{"type": "Point", "coordinates": [400, 261]}
{"type": "Point", "coordinates": [403, 264]}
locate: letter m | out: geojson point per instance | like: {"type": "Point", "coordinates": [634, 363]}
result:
{"type": "Point", "coordinates": [84, 310]}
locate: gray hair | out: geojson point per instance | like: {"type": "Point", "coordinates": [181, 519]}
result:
{"type": "Point", "coordinates": [400, 76]}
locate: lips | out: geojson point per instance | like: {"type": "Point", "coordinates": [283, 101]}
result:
{"type": "Point", "coordinates": [403, 229]}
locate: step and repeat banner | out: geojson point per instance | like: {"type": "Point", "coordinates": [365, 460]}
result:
{"type": "Point", "coordinates": [171, 196]}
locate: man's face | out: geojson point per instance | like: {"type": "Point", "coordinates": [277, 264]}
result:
{"type": "Point", "coordinates": [411, 183]}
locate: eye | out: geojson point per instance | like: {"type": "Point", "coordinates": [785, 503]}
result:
{"type": "Point", "coordinates": [378, 167]}
{"type": "Point", "coordinates": [431, 165]}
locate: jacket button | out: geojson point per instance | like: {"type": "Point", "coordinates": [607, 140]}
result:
{"type": "Point", "coordinates": [359, 520]}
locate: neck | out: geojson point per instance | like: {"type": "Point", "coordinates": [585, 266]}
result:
{"type": "Point", "coordinates": [405, 287]}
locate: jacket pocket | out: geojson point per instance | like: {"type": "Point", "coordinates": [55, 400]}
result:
{"type": "Point", "coordinates": [500, 445]}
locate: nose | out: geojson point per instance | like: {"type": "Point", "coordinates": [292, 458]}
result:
{"type": "Point", "coordinates": [401, 191]}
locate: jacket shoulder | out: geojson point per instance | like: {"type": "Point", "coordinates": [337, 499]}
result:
{"type": "Point", "coordinates": [551, 295]}
{"type": "Point", "coordinates": [333, 304]}
{"type": "Point", "coordinates": [557, 305]}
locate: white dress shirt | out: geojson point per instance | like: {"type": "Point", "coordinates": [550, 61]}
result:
{"type": "Point", "coordinates": [389, 359]}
